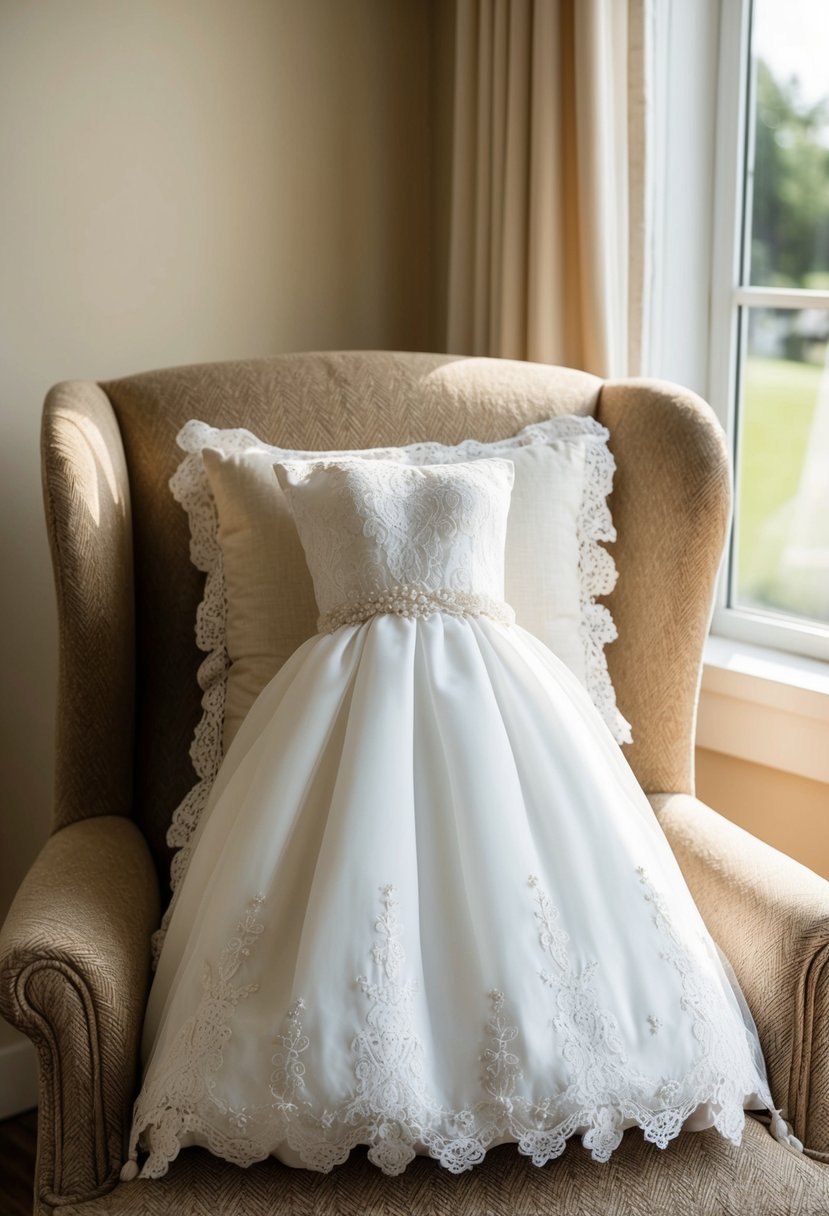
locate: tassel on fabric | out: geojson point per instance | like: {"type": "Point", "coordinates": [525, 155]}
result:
{"type": "Point", "coordinates": [783, 1133]}
{"type": "Point", "coordinates": [129, 1170]}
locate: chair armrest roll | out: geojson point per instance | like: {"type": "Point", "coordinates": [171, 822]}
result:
{"type": "Point", "coordinates": [74, 974]}
{"type": "Point", "coordinates": [770, 916]}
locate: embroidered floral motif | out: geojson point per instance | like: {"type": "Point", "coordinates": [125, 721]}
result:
{"type": "Point", "coordinates": [175, 1100]}
{"type": "Point", "coordinates": [701, 996]}
{"type": "Point", "coordinates": [398, 532]}
{"type": "Point", "coordinates": [388, 1056]}
{"type": "Point", "coordinates": [551, 936]}
{"type": "Point", "coordinates": [289, 1070]}
{"type": "Point", "coordinates": [502, 1068]}
{"type": "Point", "coordinates": [391, 1108]}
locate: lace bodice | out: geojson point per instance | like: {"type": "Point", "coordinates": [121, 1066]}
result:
{"type": "Point", "coordinates": [381, 536]}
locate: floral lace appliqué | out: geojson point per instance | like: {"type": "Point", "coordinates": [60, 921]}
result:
{"type": "Point", "coordinates": [370, 526]}
{"type": "Point", "coordinates": [183, 1097]}
{"type": "Point", "coordinates": [391, 1107]}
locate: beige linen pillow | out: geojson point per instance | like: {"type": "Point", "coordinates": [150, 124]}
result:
{"type": "Point", "coordinates": [269, 596]}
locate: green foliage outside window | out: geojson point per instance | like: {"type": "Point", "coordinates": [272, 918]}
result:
{"type": "Point", "coordinates": [782, 551]}
{"type": "Point", "coordinates": [790, 214]}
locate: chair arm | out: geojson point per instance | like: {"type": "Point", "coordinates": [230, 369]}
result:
{"type": "Point", "coordinates": [770, 916]}
{"type": "Point", "coordinates": [74, 973]}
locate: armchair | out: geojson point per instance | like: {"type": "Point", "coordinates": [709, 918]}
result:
{"type": "Point", "coordinates": [75, 948]}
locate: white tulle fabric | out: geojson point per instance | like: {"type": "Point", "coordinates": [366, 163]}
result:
{"type": "Point", "coordinates": [428, 908]}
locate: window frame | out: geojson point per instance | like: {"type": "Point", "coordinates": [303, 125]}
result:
{"type": "Point", "coordinates": [730, 301]}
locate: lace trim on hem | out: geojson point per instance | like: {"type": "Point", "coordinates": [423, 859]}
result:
{"type": "Point", "coordinates": [391, 1108]}
{"type": "Point", "coordinates": [456, 1154]}
{"type": "Point", "coordinates": [191, 489]}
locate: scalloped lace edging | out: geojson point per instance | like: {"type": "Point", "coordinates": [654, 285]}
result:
{"type": "Point", "coordinates": [598, 576]}
{"type": "Point", "coordinates": [391, 1106]}
{"type": "Point", "coordinates": [191, 489]}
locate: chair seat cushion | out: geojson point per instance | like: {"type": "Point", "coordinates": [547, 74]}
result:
{"type": "Point", "coordinates": [698, 1173]}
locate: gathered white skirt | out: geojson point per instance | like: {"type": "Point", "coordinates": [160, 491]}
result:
{"type": "Point", "coordinates": [430, 910]}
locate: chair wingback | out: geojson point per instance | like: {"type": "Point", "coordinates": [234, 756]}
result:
{"type": "Point", "coordinates": [671, 505]}
{"type": "Point", "coordinates": [87, 501]}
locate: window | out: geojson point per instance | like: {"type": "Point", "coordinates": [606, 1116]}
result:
{"type": "Point", "coordinates": [770, 319]}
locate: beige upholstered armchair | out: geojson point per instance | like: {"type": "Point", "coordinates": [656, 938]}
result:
{"type": "Point", "coordinates": [75, 948]}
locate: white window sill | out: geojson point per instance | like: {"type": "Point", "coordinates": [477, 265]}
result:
{"type": "Point", "coordinates": [765, 706]}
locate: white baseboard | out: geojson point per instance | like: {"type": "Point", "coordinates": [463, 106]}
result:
{"type": "Point", "coordinates": [18, 1078]}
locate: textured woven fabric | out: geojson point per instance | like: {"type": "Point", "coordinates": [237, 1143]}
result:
{"type": "Point", "coordinates": [74, 972]}
{"type": "Point", "coordinates": [700, 1174]}
{"type": "Point", "coordinates": [74, 950]}
{"type": "Point", "coordinates": [770, 915]}
{"type": "Point", "coordinates": [670, 505]}
{"type": "Point", "coordinates": [87, 503]}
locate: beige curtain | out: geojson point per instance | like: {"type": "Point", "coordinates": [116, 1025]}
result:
{"type": "Point", "coordinates": [548, 255]}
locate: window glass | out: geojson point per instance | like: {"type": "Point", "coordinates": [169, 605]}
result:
{"type": "Point", "coordinates": [789, 187]}
{"type": "Point", "coordinates": [782, 539]}
{"type": "Point", "coordinates": [780, 557]}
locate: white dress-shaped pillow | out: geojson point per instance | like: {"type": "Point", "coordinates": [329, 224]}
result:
{"type": "Point", "coordinates": [428, 908]}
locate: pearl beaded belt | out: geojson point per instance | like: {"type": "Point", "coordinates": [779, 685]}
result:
{"type": "Point", "coordinates": [410, 600]}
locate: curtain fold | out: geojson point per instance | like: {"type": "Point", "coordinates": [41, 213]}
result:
{"type": "Point", "coordinates": [550, 196]}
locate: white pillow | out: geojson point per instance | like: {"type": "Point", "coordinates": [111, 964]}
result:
{"type": "Point", "coordinates": [259, 605]}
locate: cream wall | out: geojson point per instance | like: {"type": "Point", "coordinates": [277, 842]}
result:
{"type": "Point", "coordinates": [183, 180]}
{"type": "Point", "coordinates": [786, 810]}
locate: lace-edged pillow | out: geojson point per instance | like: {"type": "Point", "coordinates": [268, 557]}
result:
{"type": "Point", "coordinates": [259, 605]}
